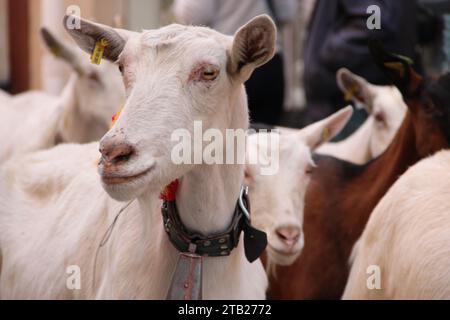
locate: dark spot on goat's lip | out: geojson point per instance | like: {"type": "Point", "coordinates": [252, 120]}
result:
{"type": "Point", "coordinates": [116, 179]}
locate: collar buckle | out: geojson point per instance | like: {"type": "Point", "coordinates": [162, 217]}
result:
{"type": "Point", "coordinates": [244, 197]}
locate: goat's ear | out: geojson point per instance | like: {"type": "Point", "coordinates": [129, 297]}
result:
{"type": "Point", "coordinates": [62, 50]}
{"type": "Point", "coordinates": [253, 46]}
{"type": "Point", "coordinates": [89, 33]}
{"type": "Point", "coordinates": [324, 130]}
{"type": "Point", "coordinates": [397, 67]}
{"type": "Point", "coordinates": [355, 88]}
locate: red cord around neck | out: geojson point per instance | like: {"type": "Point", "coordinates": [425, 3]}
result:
{"type": "Point", "coordinates": [169, 192]}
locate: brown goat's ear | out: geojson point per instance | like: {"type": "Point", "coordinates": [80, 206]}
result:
{"type": "Point", "coordinates": [397, 67]}
{"type": "Point", "coordinates": [89, 34]}
{"type": "Point", "coordinates": [323, 131]}
{"type": "Point", "coordinates": [253, 46]}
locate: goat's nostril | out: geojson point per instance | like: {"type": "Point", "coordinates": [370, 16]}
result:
{"type": "Point", "coordinates": [122, 158]}
{"type": "Point", "coordinates": [289, 234]}
{"type": "Point", "coordinates": [122, 154]}
{"type": "Point", "coordinates": [117, 153]}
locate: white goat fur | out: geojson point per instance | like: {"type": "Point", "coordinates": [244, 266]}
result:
{"type": "Point", "coordinates": [41, 239]}
{"type": "Point", "coordinates": [4, 96]}
{"type": "Point", "coordinates": [24, 127]}
{"type": "Point", "coordinates": [386, 110]}
{"type": "Point", "coordinates": [408, 237]}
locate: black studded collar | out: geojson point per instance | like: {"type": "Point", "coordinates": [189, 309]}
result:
{"type": "Point", "coordinates": [216, 245]}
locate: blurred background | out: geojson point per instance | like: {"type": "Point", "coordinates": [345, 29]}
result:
{"type": "Point", "coordinates": [316, 38]}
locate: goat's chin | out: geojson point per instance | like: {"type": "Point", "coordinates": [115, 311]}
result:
{"type": "Point", "coordinates": [126, 191]}
{"type": "Point", "coordinates": [123, 193]}
{"type": "Point", "coordinates": [130, 186]}
{"type": "Point", "coordinates": [282, 259]}
{"type": "Point", "coordinates": [279, 254]}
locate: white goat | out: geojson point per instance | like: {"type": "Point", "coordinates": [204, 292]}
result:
{"type": "Point", "coordinates": [386, 110]}
{"type": "Point", "coordinates": [406, 242]}
{"type": "Point", "coordinates": [4, 96]}
{"type": "Point", "coordinates": [277, 198]}
{"type": "Point", "coordinates": [82, 113]}
{"type": "Point", "coordinates": [173, 76]}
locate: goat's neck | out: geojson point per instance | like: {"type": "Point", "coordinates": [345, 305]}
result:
{"type": "Point", "coordinates": [381, 173]}
{"type": "Point", "coordinates": [401, 154]}
{"type": "Point", "coordinates": [207, 197]}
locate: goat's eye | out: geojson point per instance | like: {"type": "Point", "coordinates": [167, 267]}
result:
{"type": "Point", "coordinates": [210, 74]}
{"type": "Point", "coordinates": [121, 68]}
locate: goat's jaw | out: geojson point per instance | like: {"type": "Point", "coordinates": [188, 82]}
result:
{"type": "Point", "coordinates": [127, 185]}
{"type": "Point", "coordinates": [278, 254]}
{"type": "Point", "coordinates": [281, 258]}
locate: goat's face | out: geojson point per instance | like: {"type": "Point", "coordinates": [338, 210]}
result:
{"type": "Point", "coordinates": [173, 76]}
{"type": "Point", "coordinates": [277, 200]}
{"type": "Point", "coordinates": [384, 105]}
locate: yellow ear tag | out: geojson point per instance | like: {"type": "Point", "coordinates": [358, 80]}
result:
{"type": "Point", "coordinates": [350, 93]}
{"type": "Point", "coordinates": [326, 134]}
{"type": "Point", "coordinates": [55, 51]}
{"type": "Point", "coordinates": [397, 66]}
{"type": "Point", "coordinates": [116, 117]}
{"type": "Point", "coordinates": [97, 54]}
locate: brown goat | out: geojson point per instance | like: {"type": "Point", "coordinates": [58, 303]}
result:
{"type": "Point", "coordinates": [341, 195]}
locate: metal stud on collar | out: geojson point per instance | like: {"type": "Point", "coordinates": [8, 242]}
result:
{"type": "Point", "coordinates": [244, 191]}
